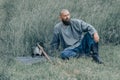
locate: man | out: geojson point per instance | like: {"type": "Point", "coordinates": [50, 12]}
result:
{"type": "Point", "coordinates": [76, 38]}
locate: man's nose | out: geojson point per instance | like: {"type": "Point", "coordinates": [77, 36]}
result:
{"type": "Point", "coordinates": [67, 17]}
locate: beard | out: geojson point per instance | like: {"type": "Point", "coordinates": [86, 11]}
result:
{"type": "Point", "coordinates": [66, 22]}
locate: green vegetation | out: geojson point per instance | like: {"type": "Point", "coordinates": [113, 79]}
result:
{"type": "Point", "coordinates": [25, 22]}
{"type": "Point", "coordinates": [74, 69]}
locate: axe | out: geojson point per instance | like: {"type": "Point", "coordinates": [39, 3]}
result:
{"type": "Point", "coordinates": [44, 53]}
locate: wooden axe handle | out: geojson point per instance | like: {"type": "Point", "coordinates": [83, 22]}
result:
{"type": "Point", "coordinates": [45, 54]}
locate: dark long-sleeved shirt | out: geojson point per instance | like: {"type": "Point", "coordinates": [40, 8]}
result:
{"type": "Point", "coordinates": [70, 36]}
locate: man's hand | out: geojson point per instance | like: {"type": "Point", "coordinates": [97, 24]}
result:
{"type": "Point", "coordinates": [96, 37]}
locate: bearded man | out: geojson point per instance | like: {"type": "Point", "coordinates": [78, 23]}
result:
{"type": "Point", "coordinates": [76, 37]}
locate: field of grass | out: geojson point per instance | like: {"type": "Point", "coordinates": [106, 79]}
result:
{"type": "Point", "coordinates": [23, 23]}
{"type": "Point", "coordinates": [74, 69]}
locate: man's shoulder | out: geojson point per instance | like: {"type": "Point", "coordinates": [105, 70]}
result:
{"type": "Point", "coordinates": [58, 25]}
{"type": "Point", "coordinates": [76, 20]}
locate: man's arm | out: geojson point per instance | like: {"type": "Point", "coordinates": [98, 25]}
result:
{"type": "Point", "coordinates": [55, 40]}
{"type": "Point", "coordinates": [89, 28]}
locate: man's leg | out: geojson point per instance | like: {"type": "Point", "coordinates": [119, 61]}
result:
{"type": "Point", "coordinates": [93, 47]}
{"type": "Point", "coordinates": [69, 53]}
{"type": "Point", "coordinates": [95, 54]}
{"type": "Point", "coordinates": [87, 46]}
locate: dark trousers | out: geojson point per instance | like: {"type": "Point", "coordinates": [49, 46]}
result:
{"type": "Point", "coordinates": [87, 47]}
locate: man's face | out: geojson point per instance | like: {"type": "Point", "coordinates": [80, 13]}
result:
{"type": "Point", "coordinates": [65, 17]}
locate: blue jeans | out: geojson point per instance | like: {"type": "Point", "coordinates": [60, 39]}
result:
{"type": "Point", "coordinates": [87, 46]}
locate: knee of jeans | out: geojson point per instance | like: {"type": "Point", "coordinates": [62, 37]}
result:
{"type": "Point", "coordinates": [63, 55]}
{"type": "Point", "coordinates": [67, 54]}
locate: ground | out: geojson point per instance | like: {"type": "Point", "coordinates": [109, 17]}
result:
{"type": "Point", "coordinates": [74, 69]}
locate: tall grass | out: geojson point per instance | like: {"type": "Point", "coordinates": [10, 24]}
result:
{"type": "Point", "coordinates": [25, 22]}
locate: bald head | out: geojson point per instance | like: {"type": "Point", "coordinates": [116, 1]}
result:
{"type": "Point", "coordinates": [65, 16]}
{"type": "Point", "coordinates": [64, 11]}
